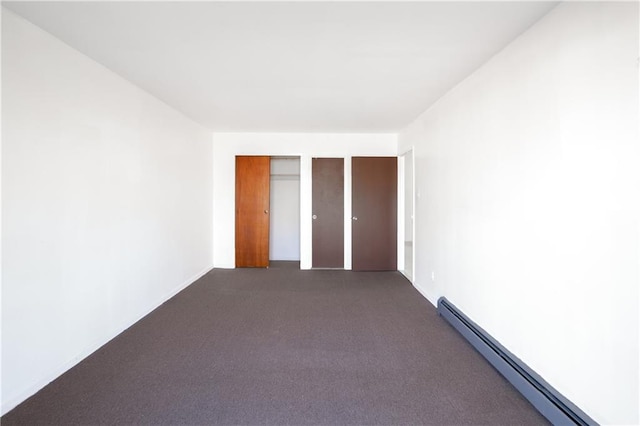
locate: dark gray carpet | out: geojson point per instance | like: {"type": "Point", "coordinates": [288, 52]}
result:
{"type": "Point", "coordinates": [284, 346]}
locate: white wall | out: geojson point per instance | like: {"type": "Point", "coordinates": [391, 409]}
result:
{"type": "Point", "coordinates": [527, 202]}
{"type": "Point", "coordinates": [107, 205]}
{"type": "Point", "coordinates": [227, 145]}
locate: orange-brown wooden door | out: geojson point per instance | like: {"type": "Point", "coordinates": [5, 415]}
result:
{"type": "Point", "coordinates": [252, 211]}
{"type": "Point", "coordinates": [374, 213]}
{"type": "Point", "coordinates": [328, 213]}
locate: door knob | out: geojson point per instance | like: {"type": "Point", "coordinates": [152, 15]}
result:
{"type": "Point", "coordinates": [266, 212]}
{"type": "Point", "coordinates": [314, 217]}
{"type": "Point", "coordinates": [354, 218]}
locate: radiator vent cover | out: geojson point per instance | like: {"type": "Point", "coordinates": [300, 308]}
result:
{"type": "Point", "coordinates": [549, 402]}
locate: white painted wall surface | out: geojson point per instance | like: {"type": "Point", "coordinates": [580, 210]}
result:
{"type": "Point", "coordinates": [227, 145]}
{"type": "Point", "coordinates": [107, 206]}
{"type": "Point", "coordinates": [284, 209]}
{"type": "Point", "coordinates": [527, 177]}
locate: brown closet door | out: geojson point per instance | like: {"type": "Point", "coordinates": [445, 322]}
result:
{"type": "Point", "coordinates": [328, 213]}
{"type": "Point", "coordinates": [252, 211]}
{"type": "Point", "coordinates": [374, 213]}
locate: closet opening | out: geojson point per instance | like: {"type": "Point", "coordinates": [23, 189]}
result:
{"type": "Point", "coordinates": [284, 236]}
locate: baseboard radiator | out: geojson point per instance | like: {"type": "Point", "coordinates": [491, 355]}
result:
{"type": "Point", "coordinates": [549, 402]}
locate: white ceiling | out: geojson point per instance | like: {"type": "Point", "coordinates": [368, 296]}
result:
{"type": "Point", "coordinates": [290, 66]}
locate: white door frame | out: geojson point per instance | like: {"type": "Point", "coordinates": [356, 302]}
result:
{"type": "Point", "coordinates": [402, 207]}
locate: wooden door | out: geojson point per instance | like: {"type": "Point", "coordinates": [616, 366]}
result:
{"type": "Point", "coordinates": [374, 213]}
{"type": "Point", "coordinates": [252, 211]}
{"type": "Point", "coordinates": [328, 213]}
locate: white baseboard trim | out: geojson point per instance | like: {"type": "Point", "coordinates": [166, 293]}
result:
{"type": "Point", "coordinates": [21, 396]}
{"type": "Point", "coordinates": [432, 300]}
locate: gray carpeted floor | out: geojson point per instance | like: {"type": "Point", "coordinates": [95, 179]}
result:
{"type": "Point", "coordinates": [284, 346]}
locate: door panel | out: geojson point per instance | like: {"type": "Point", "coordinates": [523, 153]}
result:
{"type": "Point", "coordinates": [374, 211]}
{"type": "Point", "coordinates": [328, 213]}
{"type": "Point", "coordinates": [252, 211]}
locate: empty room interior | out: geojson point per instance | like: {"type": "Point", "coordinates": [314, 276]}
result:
{"type": "Point", "coordinates": [320, 212]}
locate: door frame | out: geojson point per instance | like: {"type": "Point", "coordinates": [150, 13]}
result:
{"type": "Point", "coordinates": [402, 208]}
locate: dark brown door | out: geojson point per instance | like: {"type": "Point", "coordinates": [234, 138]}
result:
{"type": "Point", "coordinates": [328, 213]}
{"type": "Point", "coordinates": [374, 213]}
{"type": "Point", "coordinates": [252, 211]}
